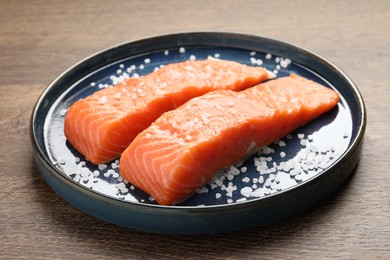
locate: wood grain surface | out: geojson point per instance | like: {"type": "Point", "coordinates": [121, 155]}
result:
{"type": "Point", "coordinates": [41, 39]}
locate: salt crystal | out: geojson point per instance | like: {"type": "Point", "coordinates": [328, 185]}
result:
{"type": "Point", "coordinates": [281, 143]}
{"type": "Point", "coordinates": [282, 154]}
{"type": "Point", "coordinates": [246, 191]}
{"type": "Point", "coordinates": [192, 57]}
{"type": "Point", "coordinates": [268, 56]}
{"type": "Point", "coordinates": [218, 182]}
{"type": "Point", "coordinates": [261, 179]}
{"type": "Point", "coordinates": [301, 136]}
{"type": "Point", "coordinates": [295, 171]}
{"type": "Point", "coordinates": [102, 166]}
{"type": "Point", "coordinates": [114, 165]}
{"type": "Point", "coordinates": [314, 149]}
{"type": "Point", "coordinates": [244, 169]}
{"type": "Point", "coordinates": [217, 55]}
{"type": "Point", "coordinates": [218, 195]}
{"type": "Point", "coordinates": [141, 66]}
{"type": "Point", "coordinates": [239, 164]}
{"type": "Point", "coordinates": [96, 173]}
{"type": "Point", "coordinates": [267, 150]}
{"type": "Point", "coordinates": [203, 190]}
{"type": "Point", "coordinates": [147, 60]}
{"type": "Point", "coordinates": [252, 53]}
{"type": "Point", "coordinates": [103, 100]}
{"type": "Point", "coordinates": [285, 62]}
{"type": "Point", "coordinates": [182, 50]}
{"type": "Point", "coordinates": [166, 52]}
{"type": "Point", "coordinates": [245, 179]}
{"type": "Point", "coordinates": [63, 112]}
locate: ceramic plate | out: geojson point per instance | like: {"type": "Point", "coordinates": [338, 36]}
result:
{"type": "Point", "coordinates": [280, 180]}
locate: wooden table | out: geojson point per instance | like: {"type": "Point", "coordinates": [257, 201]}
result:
{"type": "Point", "coordinates": [40, 39]}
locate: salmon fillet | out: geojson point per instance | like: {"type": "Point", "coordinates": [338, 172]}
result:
{"type": "Point", "coordinates": [184, 148]}
{"type": "Point", "coordinates": [102, 125]}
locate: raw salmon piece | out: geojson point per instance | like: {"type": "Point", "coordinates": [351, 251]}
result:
{"type": "Point", "coordinates": [184, 148]}
{"type": "Point", "coordinates": [102, 125]}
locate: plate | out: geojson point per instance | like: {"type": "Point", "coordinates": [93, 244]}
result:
{"type": "Point", "coordinates": [282, 179]}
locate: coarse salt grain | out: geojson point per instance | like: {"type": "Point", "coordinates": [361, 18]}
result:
{"type": "Point", "coordinates": [268, 56]}
{"type": "Point", "coordinates": [246, 191]}
{"type": "Point", "coordinates": [63, 112]}
{"type": "Point", "coordinates": [203, 190]}
{"type": "Point", "coordinates": [261, 179]}
{"type": "Point", "coordinates": [103, 100]}
{"type": "Point", "coordinates": [285, 62]}
{"type": "Point", "coordinates": [245, 179]}
{"type": "Point", "coordinates": [147, 60]}
{"type": "Point", "coordinates": [182, 50]}
{"type": "Point", "coordinates": [102, 166]}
